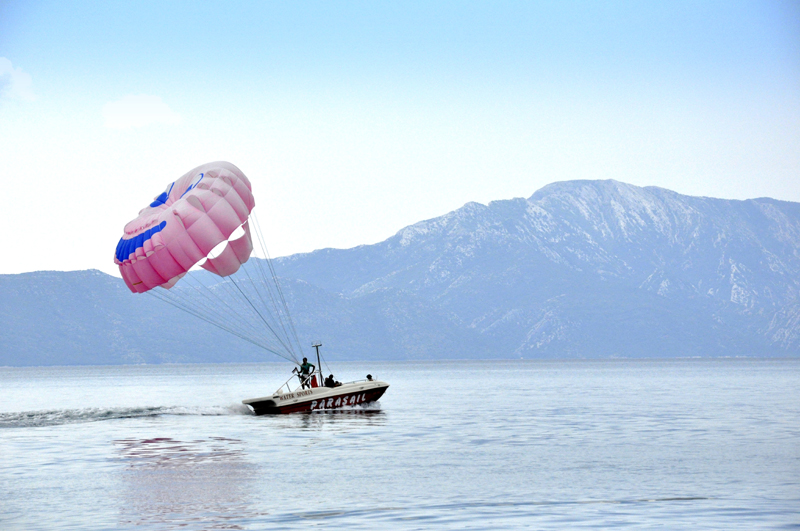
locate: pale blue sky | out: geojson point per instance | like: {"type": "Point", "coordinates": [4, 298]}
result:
{"type": "Point", "coordinates": [354, 119]}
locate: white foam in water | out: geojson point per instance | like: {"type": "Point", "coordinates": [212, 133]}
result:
{"type": "Point", "coordinates": [369, 406]}
{"type": "Point", "coordinates": [57, 417]}
{"type": "Point", "coordinates": [239, 409]}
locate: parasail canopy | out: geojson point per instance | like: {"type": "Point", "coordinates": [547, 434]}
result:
{"type": "Point", "coordinates": [184, 224]}
{"type": "Point", "coordinates": [205, 219]}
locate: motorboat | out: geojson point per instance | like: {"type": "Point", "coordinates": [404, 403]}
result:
{"type": "Point", "coordinates": [317, 398]}
{"type": "Point", "coordinates": [311, 394]}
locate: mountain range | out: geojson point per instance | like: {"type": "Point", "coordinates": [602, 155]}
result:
{"type": "Point", "coordinates": [581, 269]}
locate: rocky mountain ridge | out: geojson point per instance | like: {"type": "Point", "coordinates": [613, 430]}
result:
{"type": "Point", "coordinates": [719, 260]}
{"type": "Point", "coordinates": [579, 269]}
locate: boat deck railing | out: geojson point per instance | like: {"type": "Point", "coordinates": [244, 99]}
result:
{"type": "Point", "coordinates": [363, 380]}
{"type": "Point", "coordinates": [287, 385]}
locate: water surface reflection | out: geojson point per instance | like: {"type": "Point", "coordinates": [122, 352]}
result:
{"type": "Point", "coordinates": [336, 420]}
{"type": "Point", "coordinates": [170, 484]}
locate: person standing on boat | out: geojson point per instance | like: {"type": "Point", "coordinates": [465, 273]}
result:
{"type": "Point", "coordinates": [306, 369]}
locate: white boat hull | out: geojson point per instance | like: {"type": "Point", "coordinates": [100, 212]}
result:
{"type": "Point", "coordinates": [318, 398]}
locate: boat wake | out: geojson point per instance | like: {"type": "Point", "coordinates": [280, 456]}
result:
{"type": "Point", "coordinates": [33, 419]}
{"type": "Point", "coordinates": [369, 407]}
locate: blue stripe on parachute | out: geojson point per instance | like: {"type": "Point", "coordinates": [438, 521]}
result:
{"type": "Point", "coordinates": [160, 200]}
{"type": "Point", "coordinates": [126, 247]}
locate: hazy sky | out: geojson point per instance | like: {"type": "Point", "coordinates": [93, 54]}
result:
{"type": "Point", "coordinates": [355, 119]}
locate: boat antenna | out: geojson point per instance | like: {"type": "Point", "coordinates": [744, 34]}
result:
{"type": "Point", "coordinates": [316, 346]}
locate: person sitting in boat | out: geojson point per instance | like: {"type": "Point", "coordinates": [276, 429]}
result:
{"type": "Point", "coordinates": [330, 382]}
{"type": "Point", "coordinates": [369, 377]}
{"type": "Point", "coordinates": [306, 369]}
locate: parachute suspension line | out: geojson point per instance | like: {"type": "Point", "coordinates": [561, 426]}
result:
{"type": "Point", "coordinates": [262, 243]}
{"type": "Point", "coordinates": [254, 314]}
{"type": "Point", "coordinates": [288, 343]}
{"type": "Point", "coordinates": [180, 298]}
{"type": "Point", "coordinates": [203, 301]}
{"type": "Point", "coordinates": [268, 284]}
{"type": "Point", "coordinates": [277, 283]}
{"type": "Point", "coordinates": [246, 326]}
{"type": "Point", "coordinates": [276, 311]}
{"type": "Point", "coordinates": [262, 317]}
{"type": "Point", "coordinates": [215, 305]}
{"type": "Point", "coordinates": [180, 304]}
{"type": "Point", "coordinates": [218, 325]}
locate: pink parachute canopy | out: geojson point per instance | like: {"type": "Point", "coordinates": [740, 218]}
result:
{"type": "Point", "coordinates": [181, 226]}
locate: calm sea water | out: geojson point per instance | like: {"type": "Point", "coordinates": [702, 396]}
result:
{"type": "Point", "coordinates": [687, 444]}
